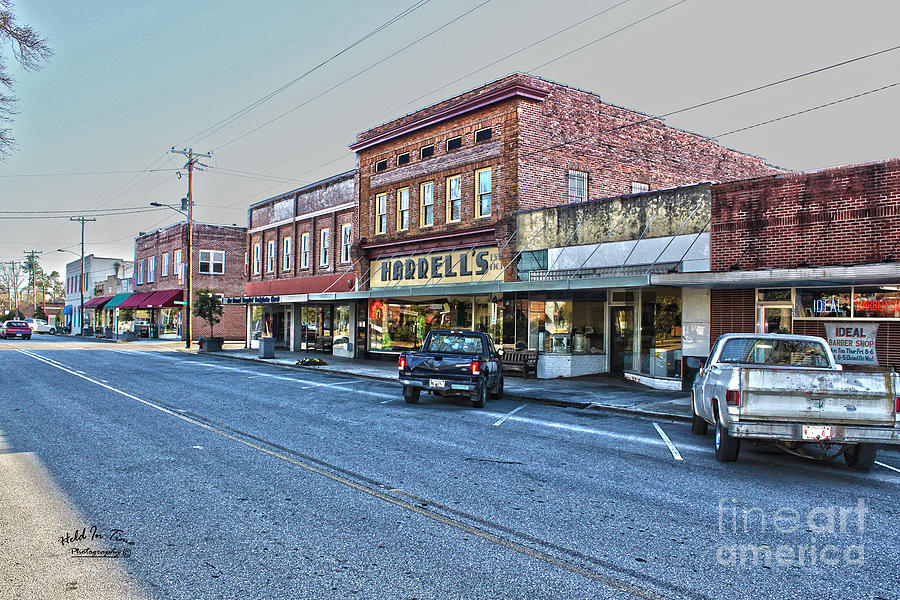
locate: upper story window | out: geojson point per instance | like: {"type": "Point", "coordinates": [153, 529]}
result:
{"type": "Point", "coordinates": [346, 241]}
{"type": "Point", "coordinates": [381, 213]}
{"type": "Point", "coordinates": [380, 166]}
{"type": "Point", "coordinates": [286, 254]}
{"type": "Point", "coordinates": [403, 209]}
{"type": "Point", "coordinates": [483, 192]}
{"type": "Point", "coordinates": [454, 143]}
{"type": "Point", "coordinates": [324, 245]}
{"type": "Point", "coordinates": [177, 267]}
{"type": "Point", "coordinates": [638, 187]}
{"type": "Point", "coordinates": [212, 262]}
{"type": "Point", "coordinates": [427, 151]}
{"type": "Point", "coordinates": [304, 250]}
{"type": "Point", "coordinates": [151, 269]}
{"type": "Point", "coordinates": [141, 272]}
{"type": "Point", "coordinates": [257, 261]}
{"type": "Point", "coordinates": [270, 256]}
{"type": "Point", "coordinates": [577, 186]}
{"type": "Point", "coordinates": [403, 159]}
{"type": "Point", "coordinates": [454, 198]}
{"type": "Point", "coordinates": [483, 135]}
{"type": "Point", "coordinates": [165, 264]}
{"type": "Point", "coordinates": [426, 204]}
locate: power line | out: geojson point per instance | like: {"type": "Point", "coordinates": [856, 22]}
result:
{"type": "Point", "coordinates": [807, 110]}
{"type": "Point", "coordinates": [73, 211]}
{"type": "Point", "coordinates": [41, 217]}
{"type": "Point", "coordinates": [85, 173]}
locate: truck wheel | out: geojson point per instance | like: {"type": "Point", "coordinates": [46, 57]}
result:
{"type": "Point", "coordinates": [699, 426]}
{"type": "Point", "coordinates": [411, 394]}
{"type": "Point", "coordinates": [860, 457]}
{"type": "Point", "coordinates": [479, 400]}
{"type": "Point", "coordinates": [727, 447]}
{"type": "Point", "coordinates": [499, 392]}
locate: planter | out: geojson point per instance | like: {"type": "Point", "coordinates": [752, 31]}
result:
{"type": "Point", "coordinates": [212, 344]}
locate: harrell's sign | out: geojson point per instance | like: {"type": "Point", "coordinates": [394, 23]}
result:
{"type": "Point", "coordinates": [461, 266]}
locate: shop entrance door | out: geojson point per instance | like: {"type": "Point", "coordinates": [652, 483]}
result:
{"type": "Point", "coordinates": [774, 319]}
{"type": "Point", "coordinates": [621, 357]}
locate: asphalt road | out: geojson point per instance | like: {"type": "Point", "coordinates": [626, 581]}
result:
{"type": "Point", "coordinates": [243, 480]}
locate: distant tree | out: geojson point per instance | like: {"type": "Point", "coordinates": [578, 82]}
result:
{"type": "Point", "coordinates": [40, 314]}
{"type": "Point", "coordinates": [30, 50]}
{"type": "Point", "coordinates": [208, 306]}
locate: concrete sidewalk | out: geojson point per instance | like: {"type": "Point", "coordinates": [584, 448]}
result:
{"type": "Point", "coordinates": [596, 392]}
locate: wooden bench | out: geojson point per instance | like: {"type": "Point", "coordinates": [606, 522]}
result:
{"type": "Point", "coordinates": [520, 361]}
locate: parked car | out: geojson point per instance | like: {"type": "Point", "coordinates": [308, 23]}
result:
{"type": "Point", "coordinates": [41, 326]}
{"type": "Point", "coordinates": [14, 329]}
{"type": "Point", "coordinates": [788, 389]}
{"type": "Point", "coordinates": [453, 362]}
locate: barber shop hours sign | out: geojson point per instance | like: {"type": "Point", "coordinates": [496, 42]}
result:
{"type": "Point", "coordinates": [852, 343]}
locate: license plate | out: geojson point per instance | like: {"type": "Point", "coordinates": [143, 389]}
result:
{"type": "Point", "coordinates": [816, 432]}
{"type": "Point", "coordinates": [437, 383]}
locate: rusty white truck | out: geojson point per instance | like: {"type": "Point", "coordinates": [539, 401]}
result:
{"type": "Point", "coordinates": [787, 389]}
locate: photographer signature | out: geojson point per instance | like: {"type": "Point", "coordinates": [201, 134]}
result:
{"type": "Point", "coordinates": [113, 537]}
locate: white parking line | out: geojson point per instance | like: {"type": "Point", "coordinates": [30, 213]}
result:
{"type": "Point", "coordinates": [668, 442]}
{"type": "Point", "coordinates": [499, 421]}
{"type": "Point", "coordinates": [881, 464]}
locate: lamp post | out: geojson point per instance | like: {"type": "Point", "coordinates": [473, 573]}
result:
{"type": "Point", "coordinates": [186, 204]}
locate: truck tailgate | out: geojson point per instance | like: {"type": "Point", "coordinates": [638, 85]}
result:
{"type": "Point", "coordinates": [817, 396]}
{"type": "Point", "coordinates": [440, 364]}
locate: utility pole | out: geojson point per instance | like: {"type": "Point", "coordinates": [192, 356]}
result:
{"type": "Point", "coordinates": [81, 283]}
{"type": "Point", "coordinates": [32, 264]}
{"type": "Point", "coordinates": [192, 160]}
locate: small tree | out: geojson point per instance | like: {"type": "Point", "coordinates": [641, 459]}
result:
{"type": "Point", "coordinates": [40, 314]}
{"type": "Point", "coordinates": [208, 306]}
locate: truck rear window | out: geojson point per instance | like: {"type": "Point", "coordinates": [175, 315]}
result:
{"type": "Point", "coordinates": [775, 353]}
{"type": "Point", "coordinates": [455, 343]}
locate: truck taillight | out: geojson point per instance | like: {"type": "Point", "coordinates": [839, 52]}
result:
{"type": "Point", "coordinates": [401, 363]}
{"type": "Point", "coordinates": [733, 398]}
{"type": "Point", "coordinates": [476, 367]}
{"type": "Point", "coordinates": [897, 404]}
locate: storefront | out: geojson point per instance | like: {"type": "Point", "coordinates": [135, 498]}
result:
{"type": "Point", "coordinates": [119, 321]}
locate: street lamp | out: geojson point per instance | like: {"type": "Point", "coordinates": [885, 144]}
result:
{"type": "Point", "coordinates": [186, 205]}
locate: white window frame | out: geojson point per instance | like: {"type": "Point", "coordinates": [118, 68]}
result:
{"type": "Point", "coordinates": [380, 214]}
{"type": "Point", "coordinates": [287, 249]}
{"type": "Point", "coordinates": [304, 250]}
{"type": "Point", "coordinates": [151, 269]}
{"type": "Point", "coordinates": [346, 242]}
{"type": "Point", "coordinates": [451, 199]}
{"type": "Point", "coordinates": [140, 272]}
{"type": "Point", "coordinates": [403, 200]}
{"type": "Point", "coordinates": [270, 256]}
{"type": "Point", "coordinates": [213, 255]}
{"type": "Point", "coordinates": [165, 264]}
{"type": "Point", "coordinates": [639, 187]}
{"type": "Point", "coordinates": [575, 179]}
{"type": "Point", "coordinates": [480, 194]}
{"type": "Point", "coordinates": [324, 246]}
{"type": "Point", "coordinates": [426, 199]}
{"type": "Point", "coordinates": [257, 258]}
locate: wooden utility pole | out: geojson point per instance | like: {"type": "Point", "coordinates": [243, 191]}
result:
{"type": "Point", "coordinates": [81, 283]}
{"type": "Point", "coordinates": [192, 160]}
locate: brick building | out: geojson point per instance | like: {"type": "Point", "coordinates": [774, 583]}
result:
{"type": "Point", "coordinates": [440, 190]}
{"type": "Point", "coordinates": [160, 280]}
{"type": "Point", "coordinates": [301, 243]}
{"type": "Point", "coordinates": [809, 253]}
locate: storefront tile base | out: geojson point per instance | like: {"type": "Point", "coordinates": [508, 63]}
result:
{"type": "Point", "coordinates": [551, 366]}
{"type": "Point", "coordinates": [655, 382]}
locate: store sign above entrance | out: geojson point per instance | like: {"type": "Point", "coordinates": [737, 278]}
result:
{"type": "Point", "coordinates": [253, 300]}
{"type": "Point", "coordinates": [852, 343]}
{"type": "Point", "coordinates": [444, 268]}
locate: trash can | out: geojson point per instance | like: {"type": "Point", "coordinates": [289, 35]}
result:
{"type": "Point", "coordinates": [267, 347]}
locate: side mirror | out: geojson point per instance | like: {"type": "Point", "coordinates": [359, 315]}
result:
{"type": "Point", "coordinates": [693, 362]}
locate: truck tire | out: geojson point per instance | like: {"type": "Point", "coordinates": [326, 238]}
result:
{"type": "Point", "coordinates": [699, 426]}
{"type": "Point", "coordinates": [860, 457]}
{"type": "Point", "coordinates": [499, 392]}
{"type": "Point", "coordinates": [727, 447]}
{"type": "Point", "coordinates": [411, 394]}
{"type": "Point", "coordinates": [480, 398]}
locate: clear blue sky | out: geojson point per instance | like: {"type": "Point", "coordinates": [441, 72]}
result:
{"type": "Point", "coordinates": [129, 80]}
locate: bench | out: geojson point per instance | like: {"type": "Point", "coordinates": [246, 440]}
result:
{"type": "Point", "coordinates": [520, 361]}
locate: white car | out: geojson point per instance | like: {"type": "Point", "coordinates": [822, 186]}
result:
{"type": "Point", "coordinates": [40, 326]}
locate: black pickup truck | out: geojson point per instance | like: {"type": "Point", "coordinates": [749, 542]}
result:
{"type": "Point", "coordinates": [453, 361]}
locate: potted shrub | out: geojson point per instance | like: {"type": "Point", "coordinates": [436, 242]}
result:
{"type": "Point", "coordinates": [208, 306]}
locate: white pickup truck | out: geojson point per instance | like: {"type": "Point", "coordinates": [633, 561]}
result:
{"type": "Point", "coordinates": [788, 389]}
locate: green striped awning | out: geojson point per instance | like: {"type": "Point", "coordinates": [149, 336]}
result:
{"type": "Point", "coordinates": [116, 301]}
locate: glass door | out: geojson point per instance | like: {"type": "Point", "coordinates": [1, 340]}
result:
{"type": "Point", "coordinates": [622, 346]}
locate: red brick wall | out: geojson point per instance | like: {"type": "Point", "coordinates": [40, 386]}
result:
{"type": "Point", "coordinates": [231, 240]}
{"type": "Point", "coordinates": [731, 311]}
{"type": "Point", "coordinates": [841, 216]}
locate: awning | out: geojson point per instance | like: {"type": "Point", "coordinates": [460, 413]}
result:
{"type": "Point", "coordinates": [771, 278]}
{"type": "Point", "coordinates": [97, 302]}
{"type": "Point", "coordinates": [136, 300]}
{"type": "Point", "coordinates": [164, 298]}
{"type": "Point", "coordinates": [67, 310]}
{"type": "Point", "coordinates": [116, 301]}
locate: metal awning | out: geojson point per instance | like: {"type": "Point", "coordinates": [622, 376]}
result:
{"type": "Point", "coordinates": [116, 301]}
{"type": "Point", "coordinates": [771, 278]}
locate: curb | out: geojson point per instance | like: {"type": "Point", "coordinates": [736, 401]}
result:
{"type": "Point", "coordinates": [507, 394]}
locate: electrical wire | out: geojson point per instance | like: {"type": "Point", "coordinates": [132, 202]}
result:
{"type": "Point", "coordinates": [85, 173]}
{"type": "Point", "coordinates": [68, 216]}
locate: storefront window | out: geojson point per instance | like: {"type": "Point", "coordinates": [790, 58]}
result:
{"type": "Point", "coordinates": [257, 314]}
{"type": "Point", "coordinates": [823, 303]}
{"type": "Point", "coordinates": [397, 325]}
{"type": "Point", "coordinates": [775, 295]}
{"type": "Point", "coordinates": [558, 324]}
{"type": "Point", "coordinates": [126, 320]}
{"type": "Point", "coordinates": [342, 327]}
{"type": "Point", "coordinates": [489, 318]}
{"type": "Point", "coordinates": [536, 331]}
{"type": "Point", "coordinates": [170, 322]}
{"type": "Point", "coordinates": [588, 333]}
{"type": "Point", "coordinates": [876, 302]}
{"type": "Point", "coordinates": [660, 349]}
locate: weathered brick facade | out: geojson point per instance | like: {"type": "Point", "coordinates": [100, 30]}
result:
{"type": "Point", "coordinates": [308, 211]}
{"type": "Point", "coordinates": [539, 131]}
{"type": "Point", "coordinates": [229, 239]}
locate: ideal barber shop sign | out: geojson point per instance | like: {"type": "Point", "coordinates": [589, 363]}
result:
{"type": "Point", "coordinates": [852, 343]}
{"type": "Point", "coordinates": [438, 268]}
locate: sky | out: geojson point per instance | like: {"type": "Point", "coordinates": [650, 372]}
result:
{"type": "Point", "coordinates": [130, 80]}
